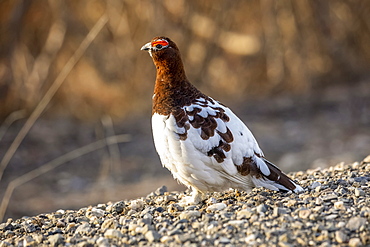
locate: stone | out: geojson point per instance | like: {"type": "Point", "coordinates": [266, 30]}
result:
{"type": "Point", "coordinates": [102, 242]}
{"type": "Point", "coordinates": [262, 208]}
{"type": "Point", "coordinates": [84, 228]}
{"type": "Point", "coordinates": [339, 205]}
{"type": "Point", "coordinates": [112, 233]}
{"type": "Point", "coordinates": [161, 190]}
{"type": "Point", "coordinates": [118, 207]}
{"type": "Point", "coordinates": [109, 223]}
{"type": "Point", "coordinates": [223, 240]}
{"type": "Point", "coordinates": [189, 214]}
{"type": "Point", "coordinates": [245, 213]}
{"type": "Point", "coordinates": [279, 211]}
{"type": "Point", "coordinates": [359, 192]}
{"type": "Point", "coordinates": [314, 185]}
{"type": "Point", "coordinates": [304, 213]}
{"type": "Point", "coordinates": [216, 207]}
{"type": "Point", "coordinates": [340, 237]}
{"type": "Point", "coordinates": [137, 205]}
{"type": "Point", "coordinates": [152, 236]}
{"type": "Point", "coordinates": [329, 197]}
{"type": "Point", "coordinates": [354, 242]}
{"type": "Point", "coordinates": [355, 223]}
{"type": "Point", "coordinates": [236, 223]}
{"type": "Point", "coordinates": [56, 239]}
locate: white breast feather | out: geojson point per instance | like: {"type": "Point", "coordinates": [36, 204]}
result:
{"type": "Point", "coordinates": [188, 160]}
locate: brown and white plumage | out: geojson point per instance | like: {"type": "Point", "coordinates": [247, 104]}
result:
{"type": "Point", "coordinates": [201, 141]}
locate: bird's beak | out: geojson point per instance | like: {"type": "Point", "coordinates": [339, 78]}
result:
{"type": "Point", "coordinates": [146, 47]}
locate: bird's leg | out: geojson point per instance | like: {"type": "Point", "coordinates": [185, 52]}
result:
{"type": "Point", "coordinates": [195, 198]}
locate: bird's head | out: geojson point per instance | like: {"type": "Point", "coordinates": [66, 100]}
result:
{"type": "Point", "coordinates": [160, 46]}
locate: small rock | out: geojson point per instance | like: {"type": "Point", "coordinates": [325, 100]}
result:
{"type": "Point", "coordinates": [29, 227]}
{"type": "Point", "coordinates": [112, 233]}
{"type": "Point", "coordinates": [137, 205]}
{"type": "Point", "coordinates": [223, 240]}
{"type": "Point", "coordinates": [355, 223]}
{"type": "Point", "coordinates": [279, 211]}
{"type": "Point", "coordinates": [262, 208]}
{"type": "Point", "coordinates": [319, 201]}
{"type": "Point", "coordinates": [329, 197]}
{"type": "Point", "coordinates": [216, 207]}
{"type": "Point", "coordinates": [84, 228]}
{"type": "Point", "coordinates": [182, 238]}
{"type": "Point", "coordinates": [56, 239]}
{"type": "Point", "coordinates": [339, 205]}
{"type": "Point", "coordinates": [250, 238]}
{"type": "Point", "coordinates": [102, 242]}
{"type": "Point", "coordinates": [359, 192]}
{"type": "Point", "coordinates": [354, 242]}
{"type": "Point", "coordinates": [367, 159]}
{"type": "Point", "coordinates": [323, 236]}
{"type": "Point", "coordinates": [189, 214]}
{"type": "Point", "coordinates": [161, 190]}
{"type": "Point", "coordinates": [175, 207]}
{"type": "Point", "coordinates": [314, 185]}
{"type": "Point", "coordinates": [245, 213]}
{"type": "Point", "coordinates": [304, 213]}
{"type": "Point", "coordinates": [29, 241]}
{"type": "Point", "coordinates": [237, 223]}
{"type": "Point", "coordinates": [291, 203]}
{"type": "Point", "coordinates": [211, 200]}
{"type": "Point", "coordinates": [95, 212]}
{"type": "Point", "coordinates": [340, 237]}
{"type": "Point", "coordinates": [166, 239]}
{"type": "Point", "coordinates": [118, 207]}
{"type": "Point", "coordinates": [6, 244]}
{"type": "Point", "coordinates": [152, 236]}
{"type": "Point", "coordinates": [331, 217]}
{"type": "Point", "coordinates": [60, 224]}
{"type": "Point", "coordinates": [109, 223]}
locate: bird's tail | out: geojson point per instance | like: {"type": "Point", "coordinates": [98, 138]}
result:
{"type": "Point", "coordinates": [273, 178]}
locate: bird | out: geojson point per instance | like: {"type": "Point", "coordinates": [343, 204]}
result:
{"type": "Point", "coordinates": [201, 141]}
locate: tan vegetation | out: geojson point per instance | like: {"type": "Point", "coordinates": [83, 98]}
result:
{"type": "Point", "coordinates": [236, 49]}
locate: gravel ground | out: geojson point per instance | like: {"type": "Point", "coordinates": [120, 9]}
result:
{"type": "Point", "coordinates": [333, 211]}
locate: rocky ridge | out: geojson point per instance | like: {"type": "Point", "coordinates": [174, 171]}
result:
{"type": "Point", "coordinates": [334, 210]}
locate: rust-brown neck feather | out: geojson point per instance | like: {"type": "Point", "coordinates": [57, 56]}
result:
{"type": "Point", "coordinates": [172, 89]}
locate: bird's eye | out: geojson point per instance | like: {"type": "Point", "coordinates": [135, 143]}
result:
{"type": "Point", "coordinates": [160, 44]}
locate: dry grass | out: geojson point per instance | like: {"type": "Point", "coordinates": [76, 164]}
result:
{"type": "Point", "coordinates": [232, 49]}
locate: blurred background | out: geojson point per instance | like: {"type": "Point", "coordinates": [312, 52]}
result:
{"type": "Point", "coordinates": [296, 72]}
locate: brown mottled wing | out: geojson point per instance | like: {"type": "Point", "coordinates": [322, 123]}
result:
{"type": "Point", "coordinates": [266, 175]}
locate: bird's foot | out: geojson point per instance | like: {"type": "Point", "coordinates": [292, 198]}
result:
{"type": "Point", "coordinates": [195, 198]}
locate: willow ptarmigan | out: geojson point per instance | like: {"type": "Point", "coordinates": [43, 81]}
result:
{"type": "Point", "coordinates": [201, 141]}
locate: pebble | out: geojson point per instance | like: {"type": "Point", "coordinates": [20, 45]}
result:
{"type": "Point", "coordinates": [216, 207]}
{"type": "Point", "coordinates": [340, 236]}
{"type": "Point", "coordinates": [304, 213]}
{"type": "Point", "coordinates": [102, 242]}
{"type": "Point", "coordinates": [355, 223]}
{"type": "Point", "coordinates": [152, 236]}
{"type": "Point", "coordinates": [189, 214]}
{"type": "Point", "coordinates": [56, 239]}
{"type": "Point", "coordinates": [279, 211]}
{"type": "Point", "coordinates": [314, 185]}
{"type": "Point", "coordinates": [334, 210]}
{"type": "Point", "coordinates": [359, 192]}
{"type": "Point", "coordinates": [84, 228]}
{"type": "Point", "coordinates": [339, 205]}
{"type": "Point", "coordinates": [112, 233]}
{"type": "Point", "coordinates": [354, 242]}
{"type": "Point", "coordinates": [262, 208]}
